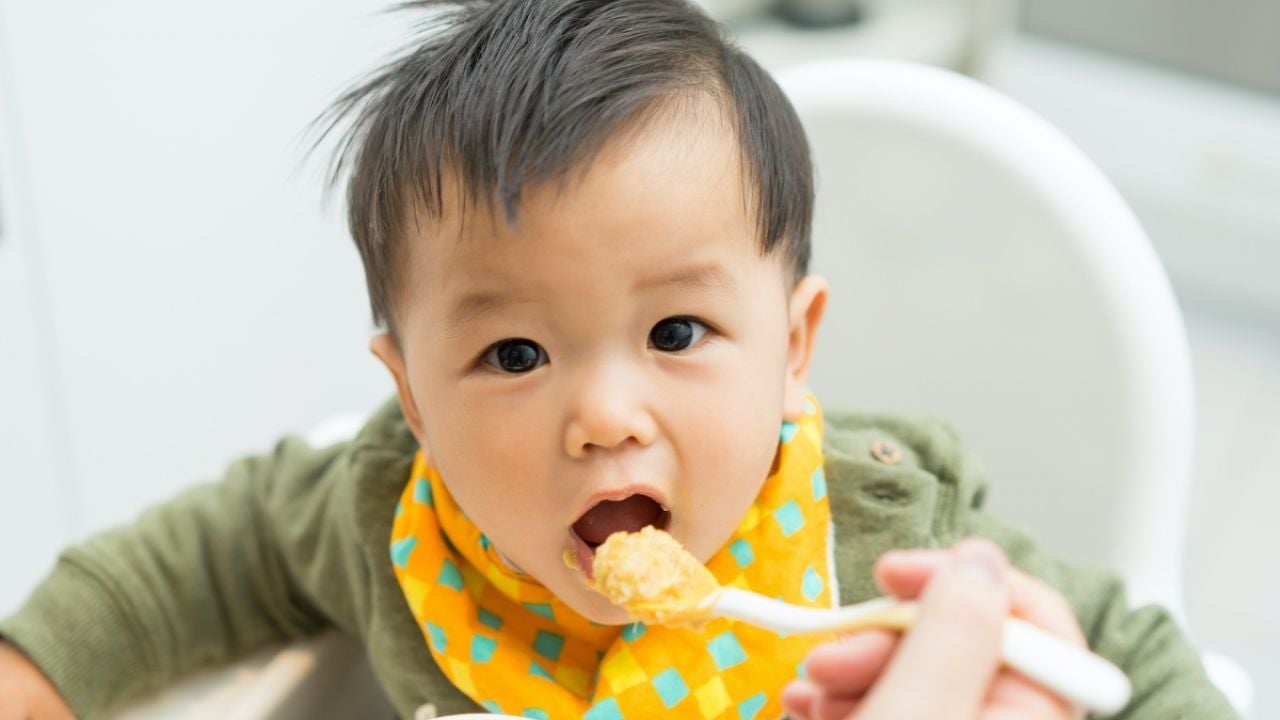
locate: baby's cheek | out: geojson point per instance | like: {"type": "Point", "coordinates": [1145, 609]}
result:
{"type": "Point", "coordinates": [734, 469]}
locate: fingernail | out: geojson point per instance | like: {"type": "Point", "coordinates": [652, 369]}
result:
{"type": "Point", "coordinates": [979, 562]}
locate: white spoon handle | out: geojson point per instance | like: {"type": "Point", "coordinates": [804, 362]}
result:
{"type": "Point", "coordinates": [1067, 670]}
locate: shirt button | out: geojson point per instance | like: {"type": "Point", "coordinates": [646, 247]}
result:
{"type": "Point", "coordinates": [886, 452]}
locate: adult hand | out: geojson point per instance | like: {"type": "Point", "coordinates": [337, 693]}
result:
{"type": "Point", "coordinates": [25, 693]}
{"type": "Point", "coordinates": [948, 664]}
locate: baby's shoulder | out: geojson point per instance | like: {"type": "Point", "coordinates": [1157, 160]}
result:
{"type": "Point", "coordinates": [894, 481]}
{"type": "Point", "coordinates": [902, 459]}
{"type": "Point", "coordinates": [907, 441]}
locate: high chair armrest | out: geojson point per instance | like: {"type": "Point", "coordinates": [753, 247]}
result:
{"type": "Point", "coordinates": [1231, 679]}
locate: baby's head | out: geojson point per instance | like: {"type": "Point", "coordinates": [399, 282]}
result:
{"type": "Point", "coordinates": [585, 226]}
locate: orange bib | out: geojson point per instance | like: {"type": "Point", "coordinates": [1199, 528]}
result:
{"type": "Point", "coordinates": [513, 647]}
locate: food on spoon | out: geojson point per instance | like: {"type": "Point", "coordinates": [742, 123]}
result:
{"type": "Point", "coordinates": [654, 578]}
{"type": "Point", "coordinates": [626, 514]}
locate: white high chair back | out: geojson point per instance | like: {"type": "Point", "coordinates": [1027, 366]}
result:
{"type": "Point", "coordinates": [984, 271]}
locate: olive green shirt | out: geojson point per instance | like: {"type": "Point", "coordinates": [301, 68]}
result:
{"type": "Point", "coordinates": [296, 541]}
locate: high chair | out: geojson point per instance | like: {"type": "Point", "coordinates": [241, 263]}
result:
{"type": "Point", "coordinates": [983, 271]}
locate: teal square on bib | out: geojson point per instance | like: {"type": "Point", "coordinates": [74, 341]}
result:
{"type": "Point", "coordinates": [548, 644]}
{"type": "Point", "coordinates": [449, 575]}
{"type": "Point", "coordinates": [543, 609]}
{"type": "Point", "coordinates": [748, 708]}
{"type": "Point", "coordinates": [633, 631]}
{"type": "Point", "coordinates": [606, 709]}
{"type": "Point", "coordinates": [537, 670]}
{"type": "Point", "coordinates": [490, 620]}
{"type": "Point", "coordinates": [401, 549]}
{"type": "Point", "coordinates": [422, 492]}
{"type": "Point", "coordinates": [482, 648]}
{"type": "Point", "coordinates": [819, 481]}
{"type": "Point", "coordinates": [812, 584]}
{"type": "Point", "coordinates": [790, 518]}
{"type": "Point", "coordinates": [726, 651]}
{"type": "Point", "coordinates": [789, 430]}
{"type": "Point", "coordinates": [670, 687]}
{"type": "Point", "coordinates": [439, 640]}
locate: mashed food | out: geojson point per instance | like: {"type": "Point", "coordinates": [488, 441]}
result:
{"type": "Point", "coordinates": [650, 575]}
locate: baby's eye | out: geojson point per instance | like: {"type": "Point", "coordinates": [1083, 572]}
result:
{"type": "Point", "coordinates": [515, 356]}
{"type": "Point", "coordinates": [676, 334]}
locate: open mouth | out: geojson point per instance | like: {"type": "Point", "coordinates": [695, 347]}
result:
{"type": "Point", "coordinates": [607, 517]}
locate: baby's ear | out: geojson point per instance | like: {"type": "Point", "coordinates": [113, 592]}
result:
{"type": "Point", "coordinates": [808, 302]}
{"type": "Point", "coordinates": [384, 346]}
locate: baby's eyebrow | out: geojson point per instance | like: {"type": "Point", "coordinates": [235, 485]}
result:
{"type": "Point", "coordinates": [472, 305]}
{"type": "Point", "coordinates": [710, 276]}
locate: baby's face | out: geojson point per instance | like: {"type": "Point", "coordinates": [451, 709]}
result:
{"type": "Point", "coordinates": [623, 357]}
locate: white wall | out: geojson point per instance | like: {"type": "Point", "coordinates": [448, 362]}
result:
{"type": "Point", "coordinates": [199, 301]}
{"type": "Point", "coordinates": [1231, 40]}
{"type": "Point", "coordinates": [37, 513]}
{"type": "Point", "coordinates": [1199, 161]}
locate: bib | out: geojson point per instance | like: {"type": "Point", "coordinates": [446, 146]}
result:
{"type": "Point", "coordinates": [512, 646]}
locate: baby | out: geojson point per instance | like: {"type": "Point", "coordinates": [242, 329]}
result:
{"type": "Point", "coordinates": [585, 229]}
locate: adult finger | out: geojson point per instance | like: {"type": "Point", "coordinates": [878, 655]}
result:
{"type": "Point", "coordinates": [1015, 696]}
{"type": "Point", "coordinates": [850, 666]}
{"type": "Point", "coordinates": [798, 697]}
{"type": "Point", "coordinates": [954, 647]}
{"type": "Point", "coordinates": [834, 707]}
{"type": "Point", "coordinates": [1040, 604]}
{"type": "Point", "coordinates": [905, 573]}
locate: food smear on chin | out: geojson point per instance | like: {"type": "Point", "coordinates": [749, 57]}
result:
{"type": "Point", "coordinates": [654, 578]}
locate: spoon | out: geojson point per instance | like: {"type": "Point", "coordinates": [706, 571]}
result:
{"type": "Point", "coordinates": [651, 575]}
{"type": "Point", "coordinates": [1061, 667]}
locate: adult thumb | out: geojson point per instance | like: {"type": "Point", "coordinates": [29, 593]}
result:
{"type": "Point", "coordinates": [947, 660]}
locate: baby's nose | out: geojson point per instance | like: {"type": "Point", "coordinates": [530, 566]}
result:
{"type": "Point", "coordinates": [607, 411]}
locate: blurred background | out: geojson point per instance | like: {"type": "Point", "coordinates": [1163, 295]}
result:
{"type": "Point", "coordinates": [174, 294]}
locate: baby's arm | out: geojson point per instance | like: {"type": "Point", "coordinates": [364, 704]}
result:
{"type": "Point", "coordinates": [208, 577]}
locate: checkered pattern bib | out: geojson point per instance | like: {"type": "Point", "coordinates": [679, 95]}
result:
{"type": "Point", "coordinates": [514, 647]}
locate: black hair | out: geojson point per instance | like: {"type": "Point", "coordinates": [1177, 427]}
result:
{"type": "Point", "coordinates": [498, 94]}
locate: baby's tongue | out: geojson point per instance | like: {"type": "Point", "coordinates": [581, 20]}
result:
{"type": "Point", "coordinates": [613, 516]}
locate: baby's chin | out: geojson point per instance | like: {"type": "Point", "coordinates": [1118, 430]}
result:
{"type": "Point", "coordinates": [590, 604]}
{"type": "Point", "coordinates": [571, 587]}
{"type": "Point", "coordinates": [596, 608]}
